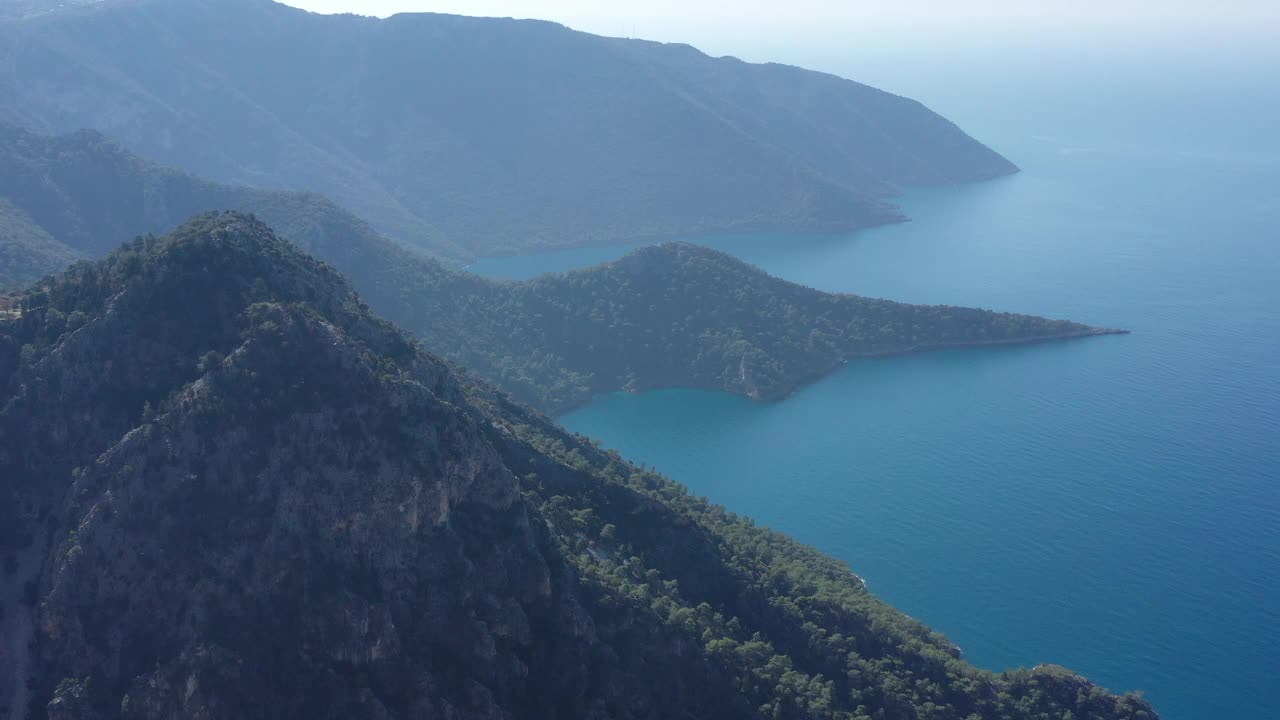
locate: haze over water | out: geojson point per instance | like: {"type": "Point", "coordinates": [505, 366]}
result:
{"type": "Point", "coordinates": [1110, 504]}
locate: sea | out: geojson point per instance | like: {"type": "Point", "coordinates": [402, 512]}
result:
{"type": "Point", "coordinates": [1110, 504]}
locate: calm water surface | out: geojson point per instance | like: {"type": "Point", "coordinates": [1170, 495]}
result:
{"type": "Point", "coordinates": [1110, 504]}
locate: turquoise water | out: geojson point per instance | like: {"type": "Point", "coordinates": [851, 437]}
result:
{"type": "Point", "coordinates": [1110, 504]}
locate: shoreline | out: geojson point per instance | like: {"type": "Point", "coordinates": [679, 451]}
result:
{"type": "Point", "coordinates": [922, 349]}
{"type": "Point", "coordinates": [803, 382]}
{"type": "Point", "coordinates": [690, 235]}
{"type": "Point", "coordinates": [897, 215]}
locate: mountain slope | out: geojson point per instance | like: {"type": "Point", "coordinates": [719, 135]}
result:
{"type": "Point", "coordinates": [83, 194]}
{"type": "Point", "coordinates": [274, 505]}
{"type": "Point", "coordinates": [504, 135]}
{"type": "Point", "coordinates": [681, 315]}
{"type": "Point", "coordinates": [27, 251]}
{"type": "Point", "coordinates": [672, 315]}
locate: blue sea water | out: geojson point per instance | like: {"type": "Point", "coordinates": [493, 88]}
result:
{"type": "Point", "coordinates": [1109, 504]}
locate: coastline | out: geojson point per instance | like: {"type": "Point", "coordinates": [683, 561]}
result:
{"type": "Point", "coordinates": [921, 349]}
{"type": "Point", "coordinates": [895, 215]}
{"type": "Point", "coordinates": [815, 229]}
{"type": "Point", "coordinates": [799, 383]}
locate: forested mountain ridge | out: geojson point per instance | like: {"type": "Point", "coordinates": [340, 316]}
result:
{"type": "Point", "coordinates": [502, 136]}
{"type": "Point", "coordinates": [275, 505]}
{"type": "Point", "coordinates": [27, 251]}
{"type": "Point", "coordinates": [670, 315]}
{"type": "Point", "coordinates": [683, 315]}
{"type": "Point", "coordinates": [82, 194]}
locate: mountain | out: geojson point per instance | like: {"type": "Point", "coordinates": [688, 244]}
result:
{"type": "Point", "coordinates": [469, 136]}
{"type": "Point", "coordinates": [81, 195]}
{"type": "Point", "coordinates": [681, 315]}
{"type": "Point", "coordinates": [27, 251]}
{"type": "Point", "coordinates": [669, 315]}
{"type": "Point", "coordinates": [233, 493]}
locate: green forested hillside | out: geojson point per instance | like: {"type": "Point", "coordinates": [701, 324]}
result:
{"type": "Point", "coordinates": [274, 505]}
{"type": "Point", "coordinates": [670, 315]}
{"type": "Point", "coordinates": [681, 315]}
{"type": "Point", "coordinates": [27, 251]}
{"type": "Point", "coordinates": [89, 194]}
{"type": "Point", "coordinates": [506, 136]}
{"type": "Point", "coordinates": [673, 315]}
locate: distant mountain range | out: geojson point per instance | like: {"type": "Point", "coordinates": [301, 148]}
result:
{"type": "Point", "coordinates": [468, 136]}
{"type": "Point", "coordinates": [671, 315]}
{"type": "Point", "coordinates": [228, 491]}
{"type": "Point", "coordinates": [18, 9]}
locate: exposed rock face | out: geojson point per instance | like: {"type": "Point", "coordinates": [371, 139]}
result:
{"type": "Point", "coordinates": [253, 500]}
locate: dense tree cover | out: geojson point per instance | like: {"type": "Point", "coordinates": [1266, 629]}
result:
{"type": "Point", "coordinates": [275, 505]}
{"type": "Point", "coordinates": [684, 315]}
{"type": "Point", "coordinates": [27, 251]}
{"type": "Point", "coordinates": [673, 315]}
{"type": "Point", "coordinates": [85, 194]}
{"type": "Point", "coordinates": [506, 136]}
{"type": "Point", "coordinates": [798, 632]}
{"type": "Point", "coordinates": [119, 294]}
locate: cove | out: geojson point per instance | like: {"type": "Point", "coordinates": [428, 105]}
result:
{"type": "Point", "coordinates": [1110, 504]}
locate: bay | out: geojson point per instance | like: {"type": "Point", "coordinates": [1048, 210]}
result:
{"type": "Point", "coordinates": [1109, 504]}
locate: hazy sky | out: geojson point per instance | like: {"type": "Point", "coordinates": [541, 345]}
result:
{"type": "Point", "coordinates": [843, 35]}
{"type": "Point", "coordinates": [613, 16]}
